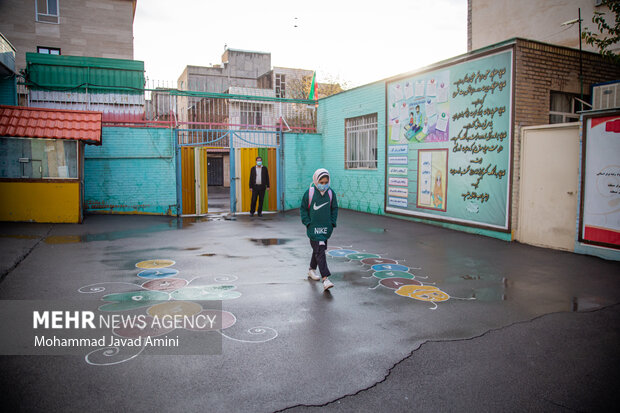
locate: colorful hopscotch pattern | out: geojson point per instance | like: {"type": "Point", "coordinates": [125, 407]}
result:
{"type": "Point", "coordinates": [163, 293]}
{"type": "Point", "coordinates": [395, 276]}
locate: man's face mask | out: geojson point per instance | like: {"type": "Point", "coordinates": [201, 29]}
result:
{"type": "Point", "coordinates": [259, 163]}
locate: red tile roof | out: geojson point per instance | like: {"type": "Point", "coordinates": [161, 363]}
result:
{"type": "Point", "coordinates": [28, 122]}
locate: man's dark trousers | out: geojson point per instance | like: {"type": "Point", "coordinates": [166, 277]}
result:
{"type": "Point", "coordinates": [258, 191]}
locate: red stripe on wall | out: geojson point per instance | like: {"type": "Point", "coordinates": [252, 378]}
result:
{"type": "Point", "coordinates": [606, 236]}
{"type": "Point", "coordinates": [598, 121]}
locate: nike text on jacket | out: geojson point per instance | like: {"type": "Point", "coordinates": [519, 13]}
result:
{"type": "Point", "coordinates": [320, 217]}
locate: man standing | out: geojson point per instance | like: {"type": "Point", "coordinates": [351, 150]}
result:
{"type": "Point", "coordinates": [259, 182]}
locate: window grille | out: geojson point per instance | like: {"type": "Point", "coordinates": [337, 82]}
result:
{"type": "Point", "coordinates": [361, 142]}
{"type": "Point", "coordinates": [251, 115]}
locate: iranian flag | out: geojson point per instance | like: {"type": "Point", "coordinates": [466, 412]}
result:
{"type": "Point", "coordinates": [313, 95]}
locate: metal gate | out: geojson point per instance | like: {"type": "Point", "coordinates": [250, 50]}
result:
{"type": "Point", "coordinates": [243, 147]}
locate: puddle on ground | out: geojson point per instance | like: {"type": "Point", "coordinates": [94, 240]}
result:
{"type": "Point", "coordinates": [269, 241]}
{"type": "Point", "coordinates": [376, 230]}
{"type": "Point", "coordinates": [19, 236]}
{"type": "Point", "coordinates": [64, 239]}
{"type": "Point", "coordinates": [108, 236]}
{"type": "Point", "coordinates": [587, 303]}
{"type": "Point", "coordinates": [186, 222]}
{"type": "Point", "coordinates": [490, 294]}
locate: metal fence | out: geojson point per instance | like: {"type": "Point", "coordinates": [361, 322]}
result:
{"type": "Point", "coordinates": [159, 104]}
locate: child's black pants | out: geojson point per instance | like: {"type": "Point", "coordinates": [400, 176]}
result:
{"type": "Point", "coordinates": [318, 257]}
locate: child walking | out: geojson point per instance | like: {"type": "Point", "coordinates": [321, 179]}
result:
{"type": "Point", "coordinates": [319, 212]}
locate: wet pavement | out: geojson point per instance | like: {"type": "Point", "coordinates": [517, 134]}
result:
{"type": "Point", "coordinates": [467, 323]}
{"type": "Point", "coordinates": [219, 199]}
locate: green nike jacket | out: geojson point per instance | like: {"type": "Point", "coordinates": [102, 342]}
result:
{"type": "Point", "coordinates": [320, 215]}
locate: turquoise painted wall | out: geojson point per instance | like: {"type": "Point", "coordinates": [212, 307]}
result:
{"type": "Point", "coordinates": [360, 190]}
{"type": "Point", "coordinates": [134, 171]}
{"type": "Point", "coordinates": [303, 154]}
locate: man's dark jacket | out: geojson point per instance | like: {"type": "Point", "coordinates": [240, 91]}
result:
{"type": "Point", "coordinates": [264, 178]}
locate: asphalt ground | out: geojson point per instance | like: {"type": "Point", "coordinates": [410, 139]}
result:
{"type": "Point", "coordinates": [502, 327]}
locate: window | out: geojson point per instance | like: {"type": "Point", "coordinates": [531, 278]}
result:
{"type": "Point", "coordinates": [280, 85]}
{"type": "Point", "coordinates": [361, 142]}
{"type": "Point", "coordinates": [47, 11]}
{"type": "Point", "coordinates": [563, 107]}
{"type": "Point", "coordinates": [48, 50]}
{"type": "Point", "coordinates": [38, 158]}
{"type": "Point", "coordinates": [251, 115]}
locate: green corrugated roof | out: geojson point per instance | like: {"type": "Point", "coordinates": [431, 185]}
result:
{"type": "Point", "coordinates": [77, 72]}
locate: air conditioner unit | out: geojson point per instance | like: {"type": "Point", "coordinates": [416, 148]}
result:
{"type": "Point", "coordinates": [606, 96]}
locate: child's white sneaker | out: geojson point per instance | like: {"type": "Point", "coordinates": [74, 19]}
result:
{"type": "Point", "coordinates": [327, 284]}
{"type": "Point", "coordinates": [312, 275]}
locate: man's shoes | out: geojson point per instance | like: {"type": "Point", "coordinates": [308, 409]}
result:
{"type": "Point", "coordinates": [251, 214]}
{"type": "Point", "coordinates": [260, 214]}
{"type": "Point", "coordinates": [312, 275]}
{"type": "Point", "coordinates": [327, 284]}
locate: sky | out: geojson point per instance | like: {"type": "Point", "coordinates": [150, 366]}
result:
{"type": "Point", "coordinates": [351, 42]}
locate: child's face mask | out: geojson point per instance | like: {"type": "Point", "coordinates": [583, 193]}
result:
{"type": "Point", "coordinates": [322, 187]}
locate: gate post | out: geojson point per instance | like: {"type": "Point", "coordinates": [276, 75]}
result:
{"type": "Point", "coordinates": [233, 188]}
{"type": "Point", "coordinates": [177, 149]}
{"type": "Point", "coordinates": [279, 157]}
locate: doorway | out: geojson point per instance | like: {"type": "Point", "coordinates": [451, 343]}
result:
{"type": "Point", "coordinates": [218, 182]}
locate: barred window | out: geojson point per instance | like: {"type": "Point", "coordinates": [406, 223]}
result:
{"type": "Point", "coordinates": [251, 115]}
{"type": "Point", "coordinates": [360, 142]}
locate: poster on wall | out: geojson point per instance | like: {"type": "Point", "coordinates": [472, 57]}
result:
{"type": "Point", "coordinates": [449, 143]}
{"type": "Point", "coordinates": [600, 192]}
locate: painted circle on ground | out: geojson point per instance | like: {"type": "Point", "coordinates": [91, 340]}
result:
{"type": "Point", "coordinates": [360, 256]}
{"type": "Point", "coordinates": [155, 264]}
{"type": "Point", "coordinates": [132, 300]}
{"type": "Point", "coordinates": [155, 273]}
{"type": "Point", "coordinates": [397, 282]}
{"type": "Point", "coordinates": [390, 267]}
{"type": "Point", "coordinates": [206, 292]}
{"type": "Point", "coordinates": [375, 261]}
{"type": "Point", "coordinates": [340, 253]}
{"type": "Point", "coordinates": [423, 293]}
{"type": "Point", "coordinates": [167, 284]}
{"type": "Point", "coordinates": [149, 329]}
{"type": "Point", "coordinates": [392, 274]}
{"type": "Point", "coordinates": [174, 309]}
{"type": "Point", "coordinates": [222, 320]}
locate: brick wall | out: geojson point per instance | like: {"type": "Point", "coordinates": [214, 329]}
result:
{"type": "Point", "coordinates": [134, 171]}
{"type": "Point", "coordinates": [360, 190]}
{"type": "Point", "coordinates": [540, 69]}
{"type": "Point", "coordinates": [469, 25]}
